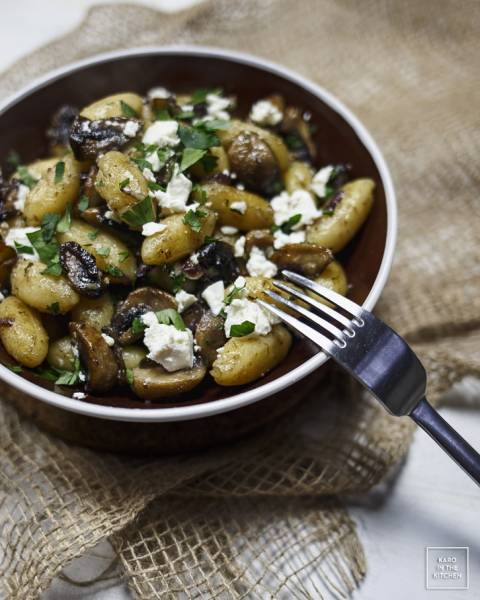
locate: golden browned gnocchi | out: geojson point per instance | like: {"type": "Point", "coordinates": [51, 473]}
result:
{"type": "Point", "coordinates": [144, 240]}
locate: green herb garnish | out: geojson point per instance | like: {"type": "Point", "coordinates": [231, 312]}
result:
{"type": "Point", "coordinates": [162, 115]}
{"type": "Point", "coordinates": [178, 280]}
{"type": "Point", "coordinates": [22, 249]}
{"type": "Point", "coordinates": [83, 203]}
{"type": "Point", "coordinates": [47, 251]}
{"type": "Point", "coordinates": [215, 124]}
{"type": "Point", "coordinates": [129, 376]}
{"type": "Point", "coordinates": [142, 212]}
{"type": "Point", "coordinates": [242, 329]}
{"type": "Point", "coordinates": [235, 292]}
{"type": "Point", "coordinates": [14, 368]}
{"type": "Point", "coordinates": [127, 110]}
{"type": "Point", "coordinates": [13, 159]}
{"type": "Point", "coordinates": [103, 251]}
{"type": "Point", "coordinates": [123, 256]}
{"type": "Point", "coordinates": [170, 316]}
{"type": "Point", "coordinates": [193, 219]}
{"type": "Point", "coordinates": [137, 325]}
{"type": "Point", "coordinates": [54, 308]}
{"type": "Point", "coordinates": [197, 137]}
{"type": "Point", "coordinates": [287, 226]}
{"type": "Point", "coordinates": [59, 171]}
{"type": "Point", "coordinates": [65, 222]}
{"type": "Point", "coordinates": [115, 271]}
{"type": "Point", "coordinates": [209, 162]}
{"type": "Point", "coordinates": [25, 177]}
{"type": "Point", "coordinates": [69, 377]}
{"type": "Point", "coordinates": [93, 234]}
{"type": "Point", "coordinates": [123, 184]}
{"type": "Point", "coordinates": [190, 156]}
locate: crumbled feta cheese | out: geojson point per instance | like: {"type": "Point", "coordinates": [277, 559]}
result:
{"type": "Point", "coordinates": [22, 193]}
{"type": "Point", "coordinates": [162, 133]}
{"type": "Point", "coordinates": [175, 198]}
{"type": "Point", "coordinates": [149, 176]}
{"type": "Point", "coordinates": [109, 339]}
{"type": "Point", "coordinates": [194, 259]}
{"type": "Point", "coordinates": [300, 202]}
{"type": "Point", "coordinates": [214, 295]}
{"type": "Point", "coordinates": [159, 92]}
{"type": "Point", "coordinates": [281, 239]}
{"type": "Point", "coordinates": [239, 247]}
{"type": "Point", "coordinates": [2, 296]}
{"type": "Point", "coordinates": [226, 172]}
{"type": "Point", "coordinates": [152, 228]}
{"type": "Point", "coordinates": [184, 300]}
{"type": "Point", "coordinates": [240, 187]}
{"type": "Point", "coordinates": [240, 206]}
{"type": "Point", "coordinates": [109, 214]}
{"type": "Point", "coordinates": [265, 112]}
{"type": "Point", "coordinates": [131, 128]}
{"type": "Point", "coordinates": [168, 346]}
{"type": "Point", "coordinates": [258, 264]}
{"type": "Point", "coordinates": [307, 116]}
{"type": "Point", "coordinates": [217, 106]}
{"type": "Point", "coordinates": [241, 310]}
{"type": "Point", "coordinates": [81, 376]}
{"type": "Point", "coordinates": [320, 180]}
{"type": "Point", "coordinates": [85, 126]}
{"type": "Point", "coordinates": [79, 395]}
{"type": "Point", "coordinates": [240, 282]}
{"type": "Point", "coordinates": [228, 230]}
{"type": "Point", "coordinates": [19, 235]}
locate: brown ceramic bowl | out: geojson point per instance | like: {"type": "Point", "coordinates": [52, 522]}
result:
{"type": "Point", "coordinates": [127, 423]}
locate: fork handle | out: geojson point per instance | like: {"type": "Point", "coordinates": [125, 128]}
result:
{"type": "Point", "coordinates": [452, 442]}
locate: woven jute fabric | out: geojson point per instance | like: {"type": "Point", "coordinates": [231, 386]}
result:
{"type": "Point", "coordinates": [258, 518]}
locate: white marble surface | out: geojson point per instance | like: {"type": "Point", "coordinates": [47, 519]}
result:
{"type": "Point", "coordinates": [430, 503]}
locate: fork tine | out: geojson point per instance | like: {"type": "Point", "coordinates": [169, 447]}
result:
{"type": "Point", "coordinates": [334, 297]}
{"type": "Point", "coordinates": [315, 303]}
{"type": "Point", "coordinates": [307, 314]}
{"type": "Point", "coordinates": [316, 337]}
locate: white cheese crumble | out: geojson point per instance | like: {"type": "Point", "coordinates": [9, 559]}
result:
{"type": "Point", "coordinates": [281, 239]}
{"type": "Point", "coordinates": [19, 235]}
{"type": "Point", "coordinates": [217, 106]}
{"type": "Point", "coordinates": [214, 295]}
{"type": "Point", "coordinates": [228, 230]}
{"type": "Point", "coordinates": [184, 300]}
{"type": "Point", "coordinates": [159, 92]}
{"type": "Point", "coordinates": [109, 214]}
{"type": "Point", "coordinates": [162, 133]}
{"type": "Point", "coordinates": [300, 202]}
{"type": "Point", "coordinates": [258, 264]}
{"type": "Point", "coordinates": [240, 282]}
{"type": "Point", "coordinates": [131, 128]}
{"type": "Point", "coordinates": [241, 310]}
{"type": "Point", "coordinates": [239, 247]}
{"type": "Point", "coordinates": [2, 296]}
{"type": "Point", "coordinates": [168, 346]}
{"type": "Point", "coordinates": [79, 395]}
{"type": "Point", "coordinates": [22, 193]}
{"type": "Point", "coordinates": [148, 174]}
{"type": "Point", "coordinates": [109, 339]}
{"type": "Point", "coordinates": [151, 228]}
{"type": "Point", "coordinates": [265, 112]}
{"type": "Point", "coordinates": [175, 197]}
{"type": "Point", "coordinates": [240, 206]}
{"type": "Point", "coordinates": [320, 180]}
{"type": "Point", "coordinates": [240, 187]}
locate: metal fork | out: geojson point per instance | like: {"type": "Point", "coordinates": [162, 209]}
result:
{"type": "Point", "coordinates": [375, 355]}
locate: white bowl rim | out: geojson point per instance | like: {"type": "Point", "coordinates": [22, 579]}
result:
{"type": "Point", "coordinates": [196, 411]}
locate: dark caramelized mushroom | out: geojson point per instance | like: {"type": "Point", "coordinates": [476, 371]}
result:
{"type": "Point", "coordinates": [253, 161]}
{"type": "Point", "coordinates": [58, 133]}
{"type": "Point", "coordinates": [297, 133]}
{"type": "Point", "coordinates": [9, 191]}
{"type": "Point", "coordinates": [91, 138]}
{"type": "Point", "coordinates": [193, 315]}
{"type": "Point", "coordinates": [218, 262]}
{"type": "Point", "coordinates": [152, 383]}
{"type": "Point", "coordinates": [97, 357]}
{"type": "Point", "coordinates": [210, 336]}
{"type": "Point", "coordinates": [136, 304]}
{"type": "Point", "coordinates": [81, 269]}
{"type": "Point", "coordinates": [262, 238]}
{"type": "Point", "coordinates": [87, 187]}
{"type": "Point", "coordinates": [308, 259]}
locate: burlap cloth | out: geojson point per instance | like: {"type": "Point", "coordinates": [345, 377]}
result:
{"type": "Point", "coordinates": [254, 520]}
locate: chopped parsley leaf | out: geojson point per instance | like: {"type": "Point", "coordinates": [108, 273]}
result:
{"type": "Point", "coordinates": [83, 203]}
{"type": "Point", "coordinates": [59, 171]}
{"type": "Point", "coordinates": [127, 110]}
{"type": "Point", "coordinates": [193, 219]}
{"type": "Point", "coordinates": [25, 177]}
{"type": "Point", "coordinates": [22, 249]}
{"type": "Point", "coordinates": [242, 329]}
{"type": "Point", "coordinates": [142, 212]}
{"type": "Point", "coordinates": [190, 156]}
{"type": "Point", "coordinates": [170, 316]}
